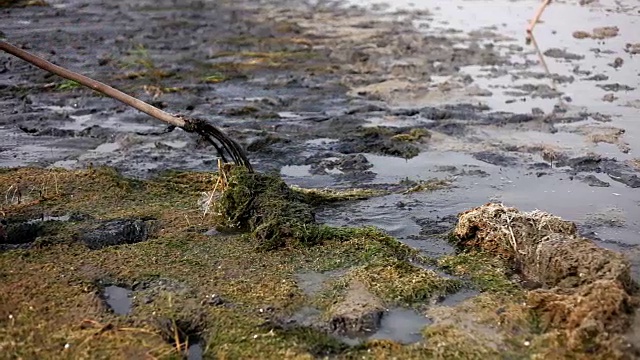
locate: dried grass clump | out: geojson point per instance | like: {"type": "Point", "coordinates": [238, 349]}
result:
{"type": "Point", "coordinates": [588, 315]}
{"type": "Point", "coordinates": [586, 292]}
{"type": "Point", "coordinates": [506, 231]}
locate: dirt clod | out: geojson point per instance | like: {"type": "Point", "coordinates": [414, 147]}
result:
{"type": "Point", "coordinates": [117, 232]}
{"type": "Point", "coordinates": [358, 313]}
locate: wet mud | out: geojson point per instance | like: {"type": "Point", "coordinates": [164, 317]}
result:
{"type": "Point", "coordinates": [435, 108]}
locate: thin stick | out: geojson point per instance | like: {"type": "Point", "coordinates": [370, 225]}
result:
{"type": "Point", "coordinates": [536, 17]}
{"type": "Point", "coordinates": [93, 84]}
{"type": "Point", "coordinates": [541, 58]}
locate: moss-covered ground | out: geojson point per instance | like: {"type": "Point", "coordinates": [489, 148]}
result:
{"type": "Point", "coordinates": [52, 304]}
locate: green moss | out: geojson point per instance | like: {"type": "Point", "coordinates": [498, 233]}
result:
{"type": "Point", "coordinates": [487, 272]}
{"type": "Point", "coordinates": [327, 196]}
{"type": "Point", "coordinates": [52, 293]}
{"type": "Point", "coordinates": [215, 78]}
{"type": "Point", "coordinates": [426, 185]}
{"type": "Point", "coordinates": [67, 85]}
{"type": "Point", "coordinates": [386, 141]}
{"type": "Point", "coordinates": [401, 282]}
{"type": "Point", "coordinates": [448, 342]}
{"type": "Point", "coordinates": [313, 342]}
{"type": "Point", "coordinates": [413, 135]}
{"type": "Point", "coordinates": [275, 214]}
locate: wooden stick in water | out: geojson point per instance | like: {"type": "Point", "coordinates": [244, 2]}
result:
{"type": "Point", "coordinates": [199, 126]}
{"type": "Point", "coordinates": [536, 18]}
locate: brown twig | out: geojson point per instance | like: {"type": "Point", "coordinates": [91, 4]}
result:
{"type": "Point", "coordinates": [213, 135]}
{"type": "Point", "coordinates": [535, 18]}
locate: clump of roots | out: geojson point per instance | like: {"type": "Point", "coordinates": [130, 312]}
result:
{"type": "Point", "coordinates": [584, 291]}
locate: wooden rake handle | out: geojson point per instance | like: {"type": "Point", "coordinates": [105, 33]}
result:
{"type": "Point", "coordinates": [92, 84]}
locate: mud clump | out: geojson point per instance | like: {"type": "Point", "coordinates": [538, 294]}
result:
{"type": "Point", "coordinates": [117, 232]}
{"type": "Point", "coordinates": [388, 141]}
{"type": "Point", "coordinates": [584, 292]}
{"type": "Point", "coordinates": [360, 312]}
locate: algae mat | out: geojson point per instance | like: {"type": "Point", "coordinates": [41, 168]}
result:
{"type": "Point", "coordinates": [74, 240]}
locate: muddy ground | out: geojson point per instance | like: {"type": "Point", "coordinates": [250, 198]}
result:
{"type": "Point", "coordinates": [441, 106]}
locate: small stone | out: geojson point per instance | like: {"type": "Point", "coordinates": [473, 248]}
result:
{"type": "Point", "coordinates": [617, 63]}
{"type": "Point", "coordinates": [609, 97]}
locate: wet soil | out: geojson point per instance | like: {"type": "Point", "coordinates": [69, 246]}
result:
{"type": "Point", "coordinates": [340, 96]}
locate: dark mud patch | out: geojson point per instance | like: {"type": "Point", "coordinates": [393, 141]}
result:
{"type": "Point", "coordinates": [398, 142]}
{"type": "Point", "coordinates": [615, 87]}
{"type": "Point", "coordinates": [118, 232]}
{"type": "Point", "coordinates": [35, 232]}
{"type": "Point", "coordinates": [359, 312]}
{"type": "Point", "coordinates": [562, 54]}
{"type": "Point", "coordinates": [616, 170]}
{"type": "Point", "coordinates": [593, 181]}
{"type": "Point", "coordinates": [496, 158]}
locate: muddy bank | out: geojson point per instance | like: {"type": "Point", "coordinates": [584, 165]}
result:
{"type": "Point", "coordinates": [159, 277]}
{"type": "Point", "coordinates": [415, 114]}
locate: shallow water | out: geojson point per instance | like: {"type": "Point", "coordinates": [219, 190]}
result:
{"type": "Point", "coordinates": [552, 190]}
{"type": "Point", "coordinates": [398, 324]}
{"type": "Point", "coordinates": [118, 299]}
{"type": "Point", "coordinates": [195, 352]}
{"type": "Point", "coordinates": [401, 325]}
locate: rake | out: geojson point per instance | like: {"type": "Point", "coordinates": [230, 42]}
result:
{"type": "Point", "coordinates": [226, 147]}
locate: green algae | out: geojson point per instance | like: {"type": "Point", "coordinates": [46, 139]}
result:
{"type": "Point", "coordinates": [173, 273]}
{"type": "Point", "coordinates": [399, 282]}
{"type": "Point", "coordinates": [52, 293]}
{"type": "Point", "coordinates": [486, 272]}
{"type": "Point", "coordinates": [275, 214]}
{"type": "Point", "coordinates": [415, 134]}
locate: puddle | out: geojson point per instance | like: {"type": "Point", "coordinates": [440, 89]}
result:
{"type": "Point", "coordinates": [118, 299]}
{"type": "Point", "coordinates": [400, 325]}
{"type": "Point", "coordinates": [382, 212]}
{"type": "Point", "coordinates": [195, 351]}
{"type": "Point", "coordinates": [321, 141]}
